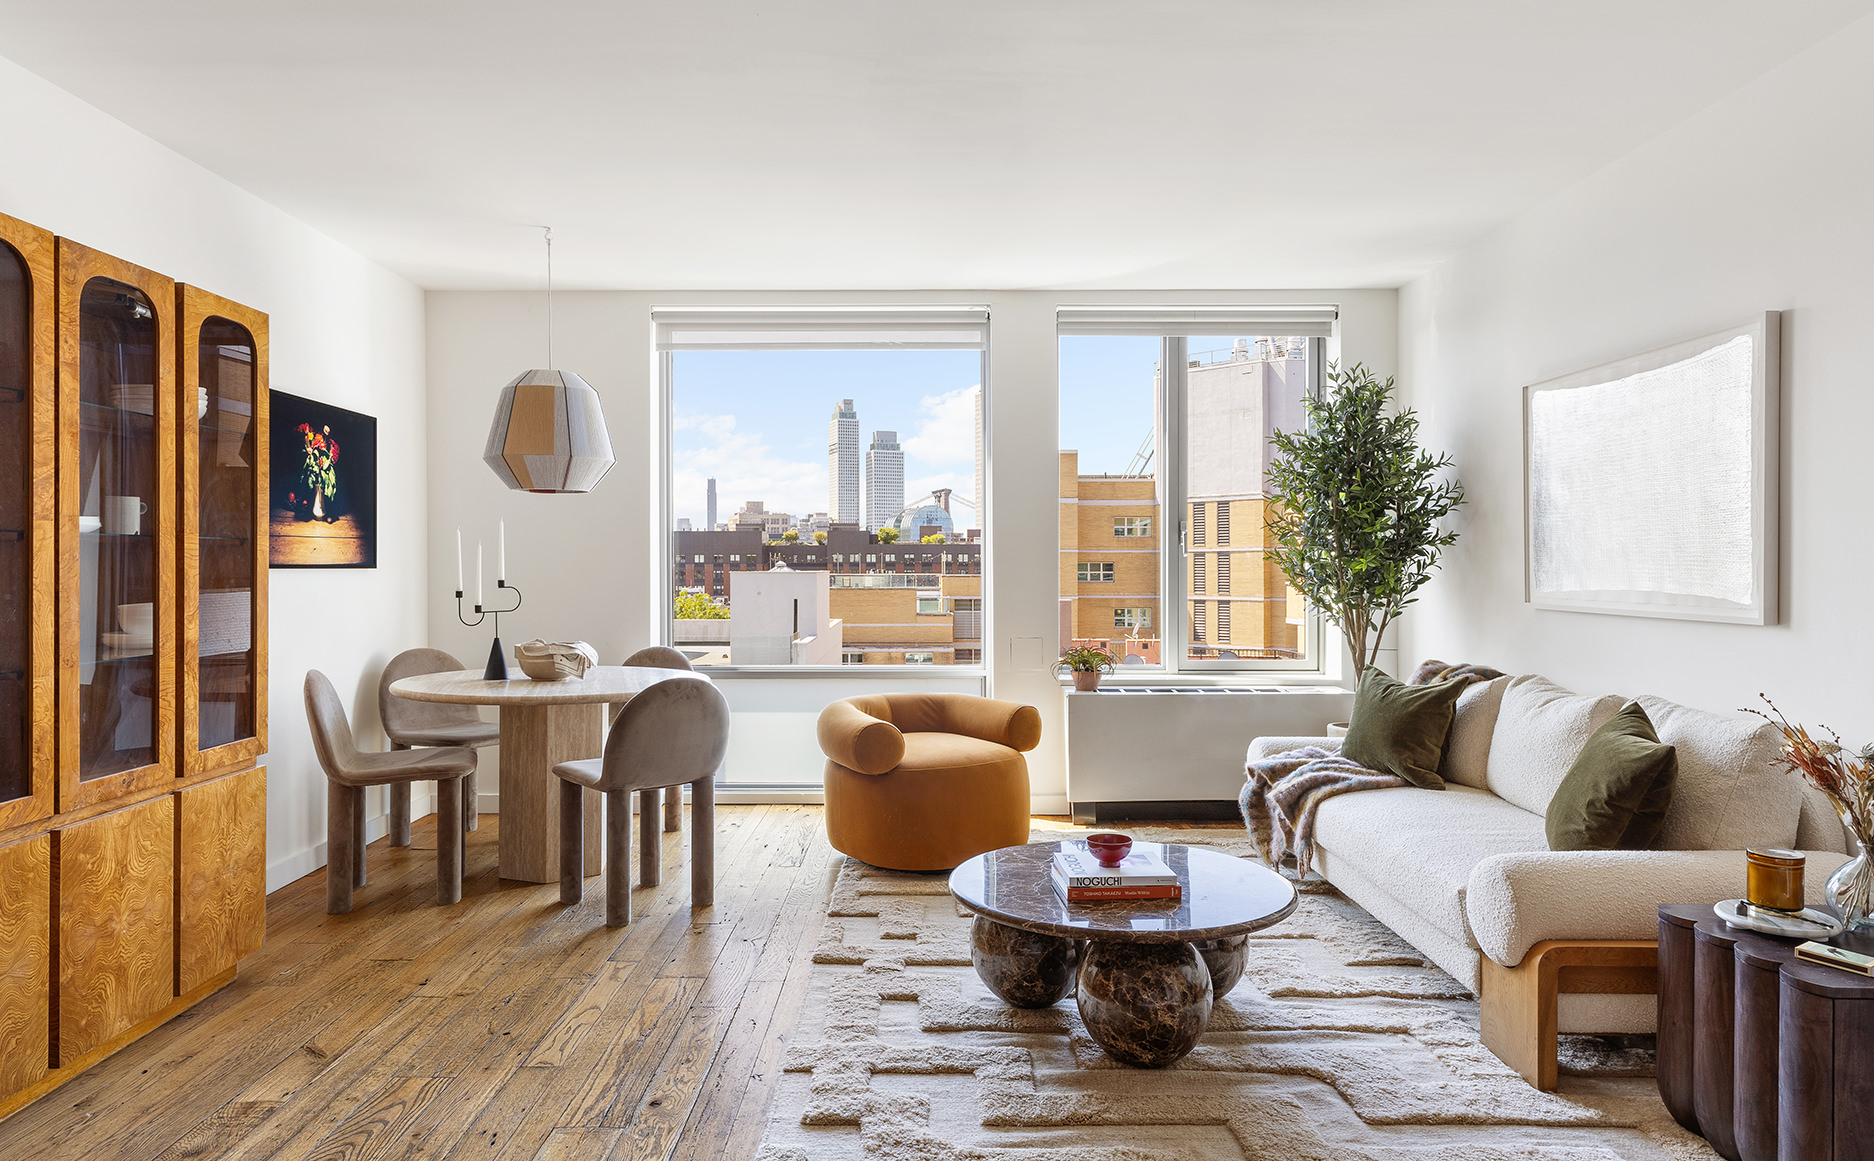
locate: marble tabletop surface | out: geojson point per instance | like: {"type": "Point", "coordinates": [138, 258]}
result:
{"type": "Point", "coordinates": [1223, 896]}
{"type": "Point", "coordinates": [602, 683]}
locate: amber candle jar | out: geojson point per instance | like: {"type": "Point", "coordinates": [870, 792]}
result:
{"type": "Point", "coordinates": [1774, 878]}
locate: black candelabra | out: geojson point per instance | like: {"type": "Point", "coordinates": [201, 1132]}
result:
{"type": "Point", "coordinates": [497, 661]}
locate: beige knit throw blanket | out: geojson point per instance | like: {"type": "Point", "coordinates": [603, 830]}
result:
{"type": "Point", "coordinates": [1283, 792]}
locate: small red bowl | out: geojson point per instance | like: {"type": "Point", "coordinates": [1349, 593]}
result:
{"type": "Point", "coordinates": [1109, 849]}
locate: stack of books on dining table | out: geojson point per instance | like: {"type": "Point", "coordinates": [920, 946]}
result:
{"type": "Point", "coordinates": [1079, 878]}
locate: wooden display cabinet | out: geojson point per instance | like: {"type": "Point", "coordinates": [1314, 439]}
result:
{"type": "Point", "coordinates": [116, 915]}
{"type": "Point", "coordinates": [222, 631]}
{"type": "Point", "coordinates": [28, 310]}
{"type": "Point", "coordinates": [133, 652]}
{"type": "Point", "coordinates": [117, 542]}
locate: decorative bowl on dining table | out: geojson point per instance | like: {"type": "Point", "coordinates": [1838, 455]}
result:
{"type": "Point", "coordinates": [555, 660]}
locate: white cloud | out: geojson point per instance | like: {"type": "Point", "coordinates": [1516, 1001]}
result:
{"type": "Point", "coordinates": [946, 435]}
{"type": "Point", "coordinates": [744, 467]}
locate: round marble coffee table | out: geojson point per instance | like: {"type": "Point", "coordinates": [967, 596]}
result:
{"type": "Point", "coordinates": [1143, 971]}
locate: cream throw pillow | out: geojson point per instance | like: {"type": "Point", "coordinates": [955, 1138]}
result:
{"type": "Point", "coordinates": [1731, 792]}
{"type": "Point", "coordinates": [1540, 730]}
{"type": "Point", "coordinates": [1467, 746]}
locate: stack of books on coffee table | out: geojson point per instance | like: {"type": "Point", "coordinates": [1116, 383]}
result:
{"type": "Point", "coordinates": [1079, 878]}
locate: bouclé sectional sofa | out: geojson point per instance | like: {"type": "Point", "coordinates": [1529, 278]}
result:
{"type": "Point", "coordinates": [1560, 940]}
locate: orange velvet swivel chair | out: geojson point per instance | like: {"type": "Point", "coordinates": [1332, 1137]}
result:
{"type": "Point", "coordinates": [923, 781]}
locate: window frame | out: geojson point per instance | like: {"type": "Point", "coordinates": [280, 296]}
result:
{"type": "Point", "coordinates": [1175, 614]}
{"type": "Point", "coordinates": [1192, 532]}
{"type": "Point", "coordinates": [883, 327]}
{"type": "Point", "coordinates": [1105, 567]}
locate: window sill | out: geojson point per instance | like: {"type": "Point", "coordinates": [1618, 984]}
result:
{"type": "Point", "coordinates": [856, 672]}
{"type": "Point", "coordinates": [1236, 679]}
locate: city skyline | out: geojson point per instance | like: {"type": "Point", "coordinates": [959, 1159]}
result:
{"type": "Point", "coordinates": [757, 421]}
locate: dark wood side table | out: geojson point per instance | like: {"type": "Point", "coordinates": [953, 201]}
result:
{"type": "Point", "coordinates": [1768, 1057]}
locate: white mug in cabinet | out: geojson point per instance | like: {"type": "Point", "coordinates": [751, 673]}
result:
{"type": "Point", "coordinates": [123, 515]}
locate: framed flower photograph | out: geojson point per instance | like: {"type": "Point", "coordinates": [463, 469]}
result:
{"type": "Point", "coordinates": [323, 490]}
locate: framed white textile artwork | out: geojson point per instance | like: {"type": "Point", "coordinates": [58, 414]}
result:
{"type": "Point", "coordinates": [1650, 483]}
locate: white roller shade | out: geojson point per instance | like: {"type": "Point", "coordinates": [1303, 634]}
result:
{"type": "Point", "coordinates": [1315, 322]}
{"type": "Point", "coordinates": [821, 328]}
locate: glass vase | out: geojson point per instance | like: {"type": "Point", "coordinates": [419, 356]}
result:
{"type": "Point", "coordinates": [1851, 891]}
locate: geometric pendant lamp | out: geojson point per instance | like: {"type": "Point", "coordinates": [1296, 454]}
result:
{"type": "Point", "coordinates": [549, 433]}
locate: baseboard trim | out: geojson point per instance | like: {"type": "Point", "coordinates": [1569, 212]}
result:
{"type": "Point", "coordinates": [301, 863]}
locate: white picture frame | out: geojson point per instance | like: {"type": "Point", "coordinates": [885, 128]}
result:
{"type": "Point", "coordinates": [1650, 483]}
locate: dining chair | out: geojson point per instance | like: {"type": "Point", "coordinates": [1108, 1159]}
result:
{"type": "Point", "coordinates": [410, 723]}
{"type": "Point", "coordinates": [661, 657]}
{"type": "Point", "coordinates": [673, 733]}
{"type": "Point", "coordinates": [348, 772]}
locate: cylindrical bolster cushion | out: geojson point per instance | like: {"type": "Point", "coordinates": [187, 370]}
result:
{"type": "Point", "coordinates": [858, 741]}
{"type": "Point", "coordinates": [1006, 723]}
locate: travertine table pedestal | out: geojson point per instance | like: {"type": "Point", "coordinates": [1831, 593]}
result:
{"type": "Point", "coordinates": [542, 723]}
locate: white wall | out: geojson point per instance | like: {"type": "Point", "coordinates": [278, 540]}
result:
{"type": "Point", "coordinates": [592, 567]}
{"type": "Point", "coordinates": [343, 330]}
{"type": "Point", "coordinates": [1759, 203]}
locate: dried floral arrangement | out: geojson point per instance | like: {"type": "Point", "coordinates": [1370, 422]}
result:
{"type": "Point", "coordinates": [1845, 777]}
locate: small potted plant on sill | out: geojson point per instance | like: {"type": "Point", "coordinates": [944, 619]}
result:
{"type": "Point", "coordinates": [1086, 663]}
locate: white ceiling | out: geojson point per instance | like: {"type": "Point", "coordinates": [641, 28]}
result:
{"type": "Point", "coordinates": [860, 144]}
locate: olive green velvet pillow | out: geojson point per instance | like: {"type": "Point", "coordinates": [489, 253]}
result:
{"type": "Point", "coordinates": [1615, 796]}
{"type": "Point", "coordinates": [1399, 728]}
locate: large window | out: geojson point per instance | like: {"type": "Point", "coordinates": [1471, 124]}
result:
{"type": "Point", "coordinates": [801, 440]}
{"type": "Point", "coordinates": [1165, 426]}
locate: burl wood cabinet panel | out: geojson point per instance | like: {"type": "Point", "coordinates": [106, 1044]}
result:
{"type": "Point", "coordinates": [25, 961]}
{"type": "Point", "coordinates": [221, 879]}
{"type": "Point", "coordinates": [116, 915]}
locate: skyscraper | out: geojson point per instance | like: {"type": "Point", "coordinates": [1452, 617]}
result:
{"type": "Point", "coordinates": [842, 464]}
{"type": "Point", "coordinates": [884, 480]}
{"type": "Point", "coordinates": [710, 521]}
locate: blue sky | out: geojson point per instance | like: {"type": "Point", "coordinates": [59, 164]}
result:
{"type": "Point", "coordinates": [757, 420]}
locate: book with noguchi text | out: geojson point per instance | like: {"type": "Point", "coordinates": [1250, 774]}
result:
{"type": "Point", "coordinates": [1078, 876]}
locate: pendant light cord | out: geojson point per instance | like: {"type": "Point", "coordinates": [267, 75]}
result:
{"type": "Point", "coordinates": [549, 230]}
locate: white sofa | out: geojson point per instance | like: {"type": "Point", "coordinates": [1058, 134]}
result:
{"type": "Point", "coordinates": [1465, 874]}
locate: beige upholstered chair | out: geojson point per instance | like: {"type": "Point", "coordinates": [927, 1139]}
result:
{"type": "Point", "coordinates": [660, 657]}
{"type": "Point", "coordinates": [673, 733]}
{"type": "Point", "coordinates": [428, 723]}
{"type": "Point", "coordinates": [348, 772]}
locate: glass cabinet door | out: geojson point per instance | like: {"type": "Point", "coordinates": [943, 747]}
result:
{"type": "Point", "coordinates": [116, 386]}
{"type": "Point", "coordinates": [223, 421]}
{"type": "Point", "coordinates": [26, 556]}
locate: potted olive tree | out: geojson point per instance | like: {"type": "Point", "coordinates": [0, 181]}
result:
{"type": "Point", "coordinates": [1355, 508]}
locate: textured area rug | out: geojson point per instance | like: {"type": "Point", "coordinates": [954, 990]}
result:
{"type": "Point", "coordinates": [1341, 1043]}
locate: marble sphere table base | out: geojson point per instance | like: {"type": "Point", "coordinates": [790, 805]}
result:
{"type": "Point", "coordinates": [1144, 972]}
{"type": "Point", "coordinates": [1144, 1003]}
{"type": "Point", "coordinates": [1023, 968]}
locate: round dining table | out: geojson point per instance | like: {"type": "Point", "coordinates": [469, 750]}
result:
{"type": "Point", "coordinates": [543, 723]}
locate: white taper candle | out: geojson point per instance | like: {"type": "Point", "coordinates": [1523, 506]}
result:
{"type": "Point", "coordinates": [478, 574]}
{"type": "Point", "coordinates": [501, 554]}
{"type": "Point", "coordinates": [458, 560]}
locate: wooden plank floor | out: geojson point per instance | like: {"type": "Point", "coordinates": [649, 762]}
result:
{"type": "Point", "coordinates": [504, 1028]}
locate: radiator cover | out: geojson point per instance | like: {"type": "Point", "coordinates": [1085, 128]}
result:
{"type": "Point", "coordinates": [1150, 745]}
